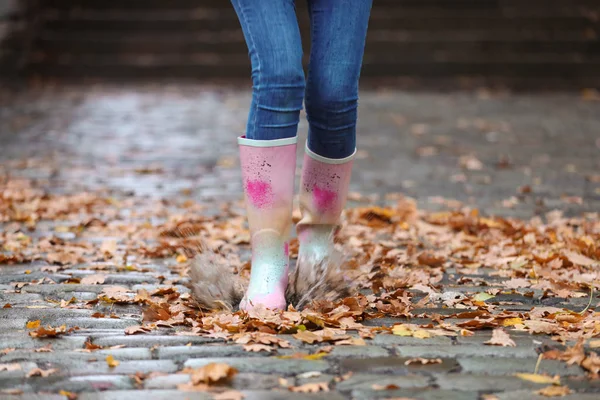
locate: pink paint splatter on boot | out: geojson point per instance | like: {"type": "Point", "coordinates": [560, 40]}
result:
{"type": "Point", "coordinates": [259, 193]}
{"type": "Point", "coordinates": [286, 249]}
{"type": "Point", "coordinates": [323, 198]}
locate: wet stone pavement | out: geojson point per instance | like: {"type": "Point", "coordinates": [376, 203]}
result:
{"type": "Point", "coordinates": [507, 155]}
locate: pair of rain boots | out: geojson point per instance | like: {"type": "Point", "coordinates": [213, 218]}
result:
{"type": "Point", "coordinates": [268, 170]}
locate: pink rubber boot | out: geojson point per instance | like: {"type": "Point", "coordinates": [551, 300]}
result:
{"type": "Point", "coordinates": [323, 192]}
{"type": "Point", "coordinates": [268, 168]}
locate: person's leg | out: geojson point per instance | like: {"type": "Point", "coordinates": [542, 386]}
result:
{"type": "Point", "coordinates": [273, 38]}
{"type": "Point", "coordinates": [338, 29]}
{"type": "Point", "coordinates": [268, 150]}
{"type": "Point", "coordinates": [338, 34]}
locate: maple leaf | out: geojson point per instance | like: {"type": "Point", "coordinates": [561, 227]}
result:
{"type": "Point", "coordinates": [41, 372]}
{"type": "Point", "coordinates": [311, 388]}
{"type": "Point", "coordinates": [500, 338]}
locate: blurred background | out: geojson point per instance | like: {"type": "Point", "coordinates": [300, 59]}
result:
{"type": "Point", "coordinates": [493, 103]}
{"type": "Point", "coordinates": [521, 44]}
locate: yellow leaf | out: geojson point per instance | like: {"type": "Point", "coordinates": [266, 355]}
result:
{"type": "Point", "coordinates": [33, 324]}
{"type": "Point", "coordinates": [181, 258]}
{"type": "Point", "coordinates": [401, 330]}
{"type": "Point", "coordinates": [594, 344]}
{"type": "Point", "coordinates": [482, 296]}
{"type": "Point", "coordinates": [110, 360]}
{"type": "Point", "coordinates": [512, 322]}
{"type": "Point", "coordinates": [27, 271]}
{"type": "Point", "coordinates": [538, 378]}
{"type": "Point", "coordinates": [421, 334]}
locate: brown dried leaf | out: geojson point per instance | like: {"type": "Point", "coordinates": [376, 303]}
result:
{"type": "Point", "coordinates": [212, 373]}
{"type": "Point", "coordinates": [554, 391]}
{"type": "Point", "coordinates": [10, 367]}
{"type": "Point", "coordinates": [96, 279]}
{"type": "Point", "coordinates": [500, 338]}
{"type": "Point", "coordinates": [41, 372]}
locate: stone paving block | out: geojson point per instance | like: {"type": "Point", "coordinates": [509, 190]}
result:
{"type": "Point", "coordinates": [531, 395]}
{"type": "Point", "coordinates": [465, 351]}
{"type": "Point", "coordinates": [264, 364]}
{"type": "Point", "coordinates": [358, 352]}
{"type": "Point", "coordinates": [286, 395]}
{"type": "Point", "coordinates": [34, 396]}
{"type": "Point", "coordinates": [35, 275]}
{"type": "Point", "coordinates": [47, 316]}
{"type": "Point", "coordinates": [125, 367]}
{"type": "Point", "coordinates": [366, 381]}
{"type": "Point", "coordinates": [58, 356]}
{"type": "Point", "coordinates": [395, 340]}
{"type": "Point", "coordinates": [166, 381]}
{"type": "Point", "coordinates": [420, 394]}
{"type": "Point", "coordinates": [21, 299]}
{"type": "Point", "coordinates": [78, 384]}
{"type": "Point", "coordinates": [149, 340]}
{"type": "Point", "coordinates": [98, 323]}
{"type": "Point", "coordinates": [145, 394]}
{"type": "Point", "coordinates": [16, 324]}
{"type": "Point", "coordinates": [217, 350]}
{"type": "Point", "coordinates": [23, 341]}
{"type": "Point", "coordinates": [396, 366]}
{"type": "Point", "coordinates": [46, 290]}
{"type": "Point", "coordinates": [479, 382]}
{"type": "Point", "coordinates": [507, 366]}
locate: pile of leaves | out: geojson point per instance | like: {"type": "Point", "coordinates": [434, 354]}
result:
{"type": "Point", "coordinates": [406, 262]}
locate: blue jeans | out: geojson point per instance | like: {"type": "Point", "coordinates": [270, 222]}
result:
{"type": "Point", "coordinates": [338, 33]}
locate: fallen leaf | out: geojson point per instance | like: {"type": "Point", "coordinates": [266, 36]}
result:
{"type": "Point", "coordinates": [96, 279]}
{"type": "Point", "coordinates": [255, 347]}
{"type": "Point", "coordinates": [538, 378]}
{"type": "Point", "coordinates": [212, 373]}
{"type": "Point", "coordinates": [134, 329]}
{"type": "Point", "coordinates": [49, 331]}
{"type": "Point", "coordinates": [229, 395]}
{"type": "Point", "coordinates": [10, 367]}
{"type": "Point", "coordinates": [112, 363]}
{"type": "Point", "coordinates": [68, 395]}
{"type": "Point", "coordinates": [33, 324]}
{"type": "Point", "coordinates": [500, 338]}
{"type": "Point", "coordinates": [423, 361]}
{"type": "Point", "coordinates": [311, 388]}
{"type": "Point", "coordinates": [41, 372]}
{"type": "Point", "coordinates": [554, 391]}
{"type": "Point", "coordinates": [307, 337]}
{"type": "Point", "coordinates": [421, 334]}
{"type": "Point", "coordinates": [91, 346]}
{"type": "Point", "coordinates": [390, 386]}
{"type": "Point", "coordinates": [482, 296]}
